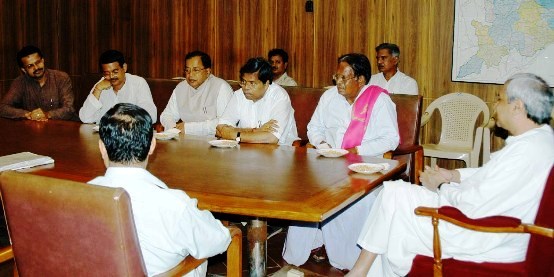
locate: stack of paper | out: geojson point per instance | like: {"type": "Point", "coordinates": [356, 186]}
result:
{"type": "Point", "coordinates": [23, 160]}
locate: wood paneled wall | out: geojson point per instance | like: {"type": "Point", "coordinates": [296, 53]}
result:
{"type": "Point", "coordinates": [155, 35]}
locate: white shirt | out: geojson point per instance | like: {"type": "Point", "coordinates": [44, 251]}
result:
{"type": "Point", "coordinates": [135, 91]}
{"type": "Point", "coordinates": [332, 117]}
{"type": "Point", "coordinates": [285, 80]}
{"type": "Point", "coordinates": [198, 108]}
{"type": "Point", "coordinates": [275, 104]}
{"type": "Point", "coordinates": [510, 184]}
{"type": "Point", "coordinates": [169, 225]}
{"type": "Point", "coordinates": [400, 83]}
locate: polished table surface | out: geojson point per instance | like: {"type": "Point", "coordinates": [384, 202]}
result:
{"type": "Point", "coordinates": [265, 181]}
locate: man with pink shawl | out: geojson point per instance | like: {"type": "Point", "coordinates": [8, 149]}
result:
{"type": "Point", "coordinates": [362, 119]}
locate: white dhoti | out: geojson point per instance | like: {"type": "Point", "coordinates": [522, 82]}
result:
{"type": "Point", "coordinates": [338, 233]}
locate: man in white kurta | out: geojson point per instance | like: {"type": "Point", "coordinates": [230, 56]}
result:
{"type": "Point", "coordinates": [198, 108]}
{"type": "Point", "coordinates": [135, 91]}
{"type": "Point", "coordinates": [285, 80]}
{"type": "Point", "coordinates": [116, 86]}
{"type": "Point", "coordinates": [260, 111]}
{"type": "Point", "coordinates": [399, 83]}
{"type": "Point", "coordinates": [279, 60]}
{"type": "Point", "coordinates": [169, 225]}
{"type": "Point", "coordinates": [510, 184]}
{"type": "Point", "coordinates": [389, 77]}
{"type": "Point", "coordinates": [198, 101]}
{"type": "Point", "coordinates": [328, 126]}
{"type": "Point", "coordinates": [275, 105]}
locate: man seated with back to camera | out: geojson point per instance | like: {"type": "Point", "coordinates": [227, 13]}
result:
{"type": "Point", "coordinates": [169, 225]}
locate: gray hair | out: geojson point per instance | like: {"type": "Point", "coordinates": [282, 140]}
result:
{"type": "Point", "coordinates": [534, 92]}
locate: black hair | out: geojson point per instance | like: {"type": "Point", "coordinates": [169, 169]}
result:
{"type": "Point", "coordinates": [26, 51]}
{"type": "Point", "coordinates": [278, 52]}
{"type": "Point", "coordinates": [126, 131]}
{"type": "Point", "coordinates": [112, 56]}
{"type": "Point", "coordinates": [259, 65]}
{"type": "Point", "coordinates": [205, 58]}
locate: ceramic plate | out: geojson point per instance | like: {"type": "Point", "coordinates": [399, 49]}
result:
{"type": "Point", "coordinates": [366, 168]}
{"type": "Point", "coordinates": [165, 135]}
{"type": "Point", "coordinates": [331, 152]}
{"type": "Point", "coordinates": [223, 143]}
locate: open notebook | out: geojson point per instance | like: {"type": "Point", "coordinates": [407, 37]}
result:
{"type": "Point", "coordinates": [23, 160]}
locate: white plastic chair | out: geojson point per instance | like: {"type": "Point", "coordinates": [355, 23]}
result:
{"type": "Point", "coordinates": [459, 112]}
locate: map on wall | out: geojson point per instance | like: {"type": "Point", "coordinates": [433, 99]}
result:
{"type": "Point", "coordinates": [494, 39]}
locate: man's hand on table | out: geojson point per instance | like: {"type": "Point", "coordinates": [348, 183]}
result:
{"type": "Point", "coordinates": [37, 115]}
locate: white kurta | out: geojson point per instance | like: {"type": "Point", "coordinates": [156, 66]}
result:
{"type": "Point", "coordinates": [135, 91]}
{"type": "Point", "coordinates": [199, 108]}
{"type": "Point", "coordinates": [285, 80]}
{"type": "Point", "coordinates": [333, 115]}
{"type": "Point", "coordinates": [244, 113]}
{"type": "Point", "coordinates": [400, 83]}
{"type": "Point", "coordinates": [510, 184]}
{"type": "Point", "coordinates": [340, 233]}
{"type": "Point", "coordinates": [169, 225]}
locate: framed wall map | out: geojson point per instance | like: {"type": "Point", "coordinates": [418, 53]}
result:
{"type": "Point", "coordinates": [494, 39]}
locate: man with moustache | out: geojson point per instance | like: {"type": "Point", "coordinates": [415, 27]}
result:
{"type": "Point", "coordinates": [279, 60]}
{"type": "Point", "coordinates": [116, 86]}
{"type": "Point", "coordinates": [259, 112]}
{"type": "Point", "coordinates": [40, 93]}
{"type": "Point", "coordinates": [389, 77]}
{"type": "Point", "coordinates": [360, 118]}
{"type": "Point", "coordinates": [198, 101]}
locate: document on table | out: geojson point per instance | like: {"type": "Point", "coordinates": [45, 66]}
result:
{"type": "Point", "coordinates": [23, 160]}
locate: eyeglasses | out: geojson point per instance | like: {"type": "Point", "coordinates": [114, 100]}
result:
{"type": "Point", "coordinates": [247, 84]}
{"type": "Point", "coordinates": [195, 70]}
{"type": "Point", "coordinates": [108, 74]}
{"type": "Point", "coordinates": [341, 79]}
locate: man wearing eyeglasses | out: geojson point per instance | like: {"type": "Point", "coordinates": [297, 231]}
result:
{"type": "Point", "coordinates": [40, 93]}
{"type": "Point", "coordinates": [116, 86]}
{"type": "Point", "coordinates": [259, 112]}
{"type": "Point", "coordinates": [198, 101]}
{"type": "Point", "coordinates": [361, 119]}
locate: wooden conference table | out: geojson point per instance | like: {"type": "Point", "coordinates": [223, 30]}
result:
{"type": "Point", "coordinates": [259, 181]}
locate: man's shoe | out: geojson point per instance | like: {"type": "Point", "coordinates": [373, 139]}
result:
{"type": "Point", "coordinates": [318, 255]}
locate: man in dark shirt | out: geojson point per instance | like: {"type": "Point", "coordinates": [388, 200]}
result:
{"type": "Point", "coordinates": [40, 93]}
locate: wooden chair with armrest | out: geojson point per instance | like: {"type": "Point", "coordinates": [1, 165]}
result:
{"type": "Point", "coordinates": [540, 253]}
{"type": "Point", "coordinates": [65, 228]}
{"type": "Point", "coordinates": [408, 110]}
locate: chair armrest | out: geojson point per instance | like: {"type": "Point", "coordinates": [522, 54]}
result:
{"type": "Point", "coordinates": [234, 258]}
{"type": "Point", "coordinates": [234, 253]}
{"type": "Point", "coordinates": [407, 150]}
{"type": "Point", "coordinates": [6, 254]}
{"type": "Point", "coordinates": [185, 266]}
{"type": "Point", "coordinates": [492, 224]}
{"type": "Point", "coordinates": [425, 118]}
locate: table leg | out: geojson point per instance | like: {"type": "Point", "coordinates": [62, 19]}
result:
{"type": "Point", "coordinates": [257, 239]}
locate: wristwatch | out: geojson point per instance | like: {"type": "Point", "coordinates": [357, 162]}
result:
{"type": "Point", "coordinates": [238, 137]}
